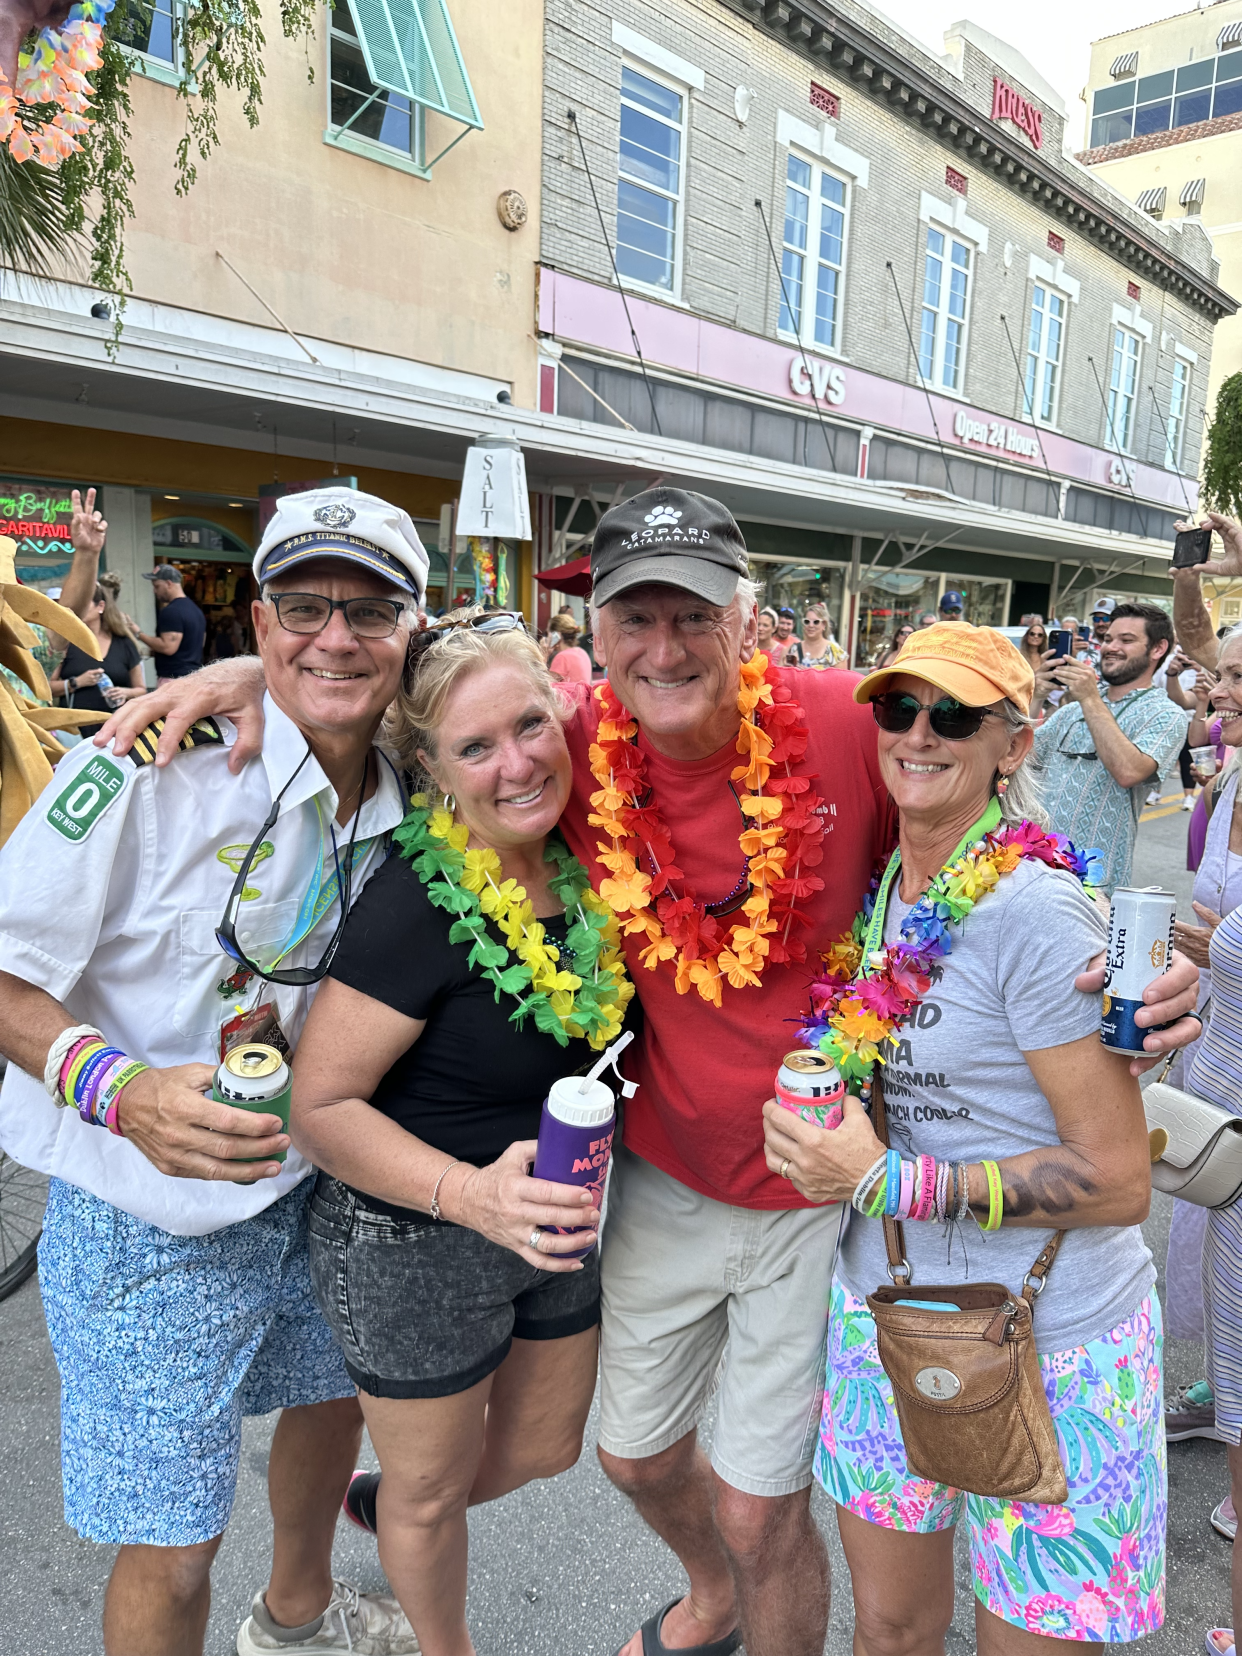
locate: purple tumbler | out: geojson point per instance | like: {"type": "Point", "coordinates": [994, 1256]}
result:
{"type": "Point", "coordinates": [575, 1133]}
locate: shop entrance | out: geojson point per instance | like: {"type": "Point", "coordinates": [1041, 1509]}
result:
{"type": "Point", "coordinates": [215, 570]}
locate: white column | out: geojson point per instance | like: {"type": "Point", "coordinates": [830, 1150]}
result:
{"type": "Point", "coordinates": [129, 553]}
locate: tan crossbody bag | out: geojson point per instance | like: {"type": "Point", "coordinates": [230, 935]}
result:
{"type": "Point", "coordinates": [967, 1384]}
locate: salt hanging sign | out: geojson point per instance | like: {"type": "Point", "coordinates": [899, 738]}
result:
{"type": "Point", "coordinates": [493, 497]}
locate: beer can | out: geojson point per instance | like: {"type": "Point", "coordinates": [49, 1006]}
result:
{"type": "Point", "coordinates": [809, 1085]}
{"type": "Point", "coordinates": [1140, 949]}
{"type": "Point", "coordinates": [255, 1077]}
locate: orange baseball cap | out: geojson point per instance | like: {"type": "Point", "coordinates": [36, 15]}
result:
{"type": "Point", "coordinates": [976, 665]}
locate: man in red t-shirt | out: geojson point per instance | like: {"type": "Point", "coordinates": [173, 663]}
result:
{"type": "Point", "coordinates": [708, 1255]}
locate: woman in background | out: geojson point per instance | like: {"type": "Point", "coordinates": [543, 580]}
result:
{"type": "Point", "coordinates": [77, 676]}
{"type": "Point", "coordinates": [566, 658]}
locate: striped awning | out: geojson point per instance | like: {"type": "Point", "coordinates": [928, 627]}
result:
{"type": "Point", "coordinates": [1193, 192]}
{"type": "Point", "coordinates": [1230, 35]}
{"type": "Point", "coordinates": [1152, 201]}
{"type": "Point", "coordinates": [1126, 64]}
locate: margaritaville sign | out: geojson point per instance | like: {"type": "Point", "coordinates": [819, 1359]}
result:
{"type": "Point", "coordinates": [37, 517]}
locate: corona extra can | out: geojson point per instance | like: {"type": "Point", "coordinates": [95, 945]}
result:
{"type": "Point", "coordinates": [809, 1085]}
{"type": "Point", "coordinates": [1140, 948]}
{"type": "Point", "coordinates": [255, 1077]}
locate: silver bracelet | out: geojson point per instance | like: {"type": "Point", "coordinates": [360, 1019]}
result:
{"type": "Point", "coordinates": [56, 1055]}
{"type": "Point", "coordinates": [434, 1209]}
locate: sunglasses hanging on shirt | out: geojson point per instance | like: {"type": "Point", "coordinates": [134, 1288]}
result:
{"type": "Point", "coordinates": [226, 932]}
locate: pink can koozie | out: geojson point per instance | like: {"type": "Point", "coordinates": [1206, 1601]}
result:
{"type": "Point", "coordinates": [809, 1085]}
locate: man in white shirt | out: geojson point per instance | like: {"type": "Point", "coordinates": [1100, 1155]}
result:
{"type": "Point", "coordinates": [168, 914]}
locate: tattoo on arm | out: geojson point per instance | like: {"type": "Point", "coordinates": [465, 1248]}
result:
{"type": "Point", "coordinates": [1054, 1185]}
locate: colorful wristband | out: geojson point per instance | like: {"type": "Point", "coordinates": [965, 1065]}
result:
{"type": "Point", "coordinates": [90, 1075]}
{"type": "Point", "coordinates": [996, 1196]}
{"type": "Point", "coordinates": [925, 1205]}
{"type": "Point", "coordinates": [865, 1188]}
{"type": "Point", "coordinates": [109, 1102]}
{"type": "Point", "coordinates": [908, 1187]}
{"type": "Point", "coordinates": [80, 1056]}
{"type": "Point", "coordinates": [893, 1178]}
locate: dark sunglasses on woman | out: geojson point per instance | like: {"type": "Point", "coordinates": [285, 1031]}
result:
{"type": "Point", "coordinates": [951, 720]}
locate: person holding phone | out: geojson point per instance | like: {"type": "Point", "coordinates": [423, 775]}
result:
{"type": "Point", "coordinates": [1109, 741]}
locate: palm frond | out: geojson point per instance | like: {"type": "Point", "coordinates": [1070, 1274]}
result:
{"type": "Point", "coordinates": [34, 230]}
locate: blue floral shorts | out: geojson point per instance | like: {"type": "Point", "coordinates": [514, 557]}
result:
{"type": "Point", "coordinates": [1091, 1569]}
{"type": "Point", "coordinates": [163, 1343]}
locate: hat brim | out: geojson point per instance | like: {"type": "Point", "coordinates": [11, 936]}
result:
{"type": "Point", "coordinates": [705, 580]}
{"type": "Point", "coordinates": [287, 555]}
{"type": "Point", "coordinates": [964, 684]}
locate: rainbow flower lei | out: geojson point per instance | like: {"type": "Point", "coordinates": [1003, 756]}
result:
{"type": "Point", "coordinates": [54, 74]}
{"type": "Point", "coordinates": [857, 1004]}
{"type": "Point", "coordinates": [587, 999]}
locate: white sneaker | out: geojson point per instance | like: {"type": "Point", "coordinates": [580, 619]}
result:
{"type": "Point", "coordinates": [1188, 803]}
{"type": "Point", "coordinates": [1153, 797]}
{"type": "Point", "coordinates": [364, 1624]}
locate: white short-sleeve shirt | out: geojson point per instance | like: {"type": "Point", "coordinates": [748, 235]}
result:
{"type": "Point", "coordinates": [111, 888]}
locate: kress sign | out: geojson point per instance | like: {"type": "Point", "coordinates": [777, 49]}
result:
{"type": "Point", "coordinates": [1008, 105]}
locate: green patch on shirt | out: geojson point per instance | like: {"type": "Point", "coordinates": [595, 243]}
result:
{"type": "Point", "coordinates": [85, 798]}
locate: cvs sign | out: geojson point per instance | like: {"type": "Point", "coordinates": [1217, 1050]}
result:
{"type": "Point", "coordinates": [825, 379]}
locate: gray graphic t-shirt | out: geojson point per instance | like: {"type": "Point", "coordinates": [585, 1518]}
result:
{"type": "Point", "coordinates": [957, 1088]}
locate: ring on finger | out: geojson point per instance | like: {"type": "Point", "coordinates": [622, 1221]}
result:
{"type": "Point", "coordinates": [785, 1168]}
{"type": "Point", "coordinates": [534, 1239]}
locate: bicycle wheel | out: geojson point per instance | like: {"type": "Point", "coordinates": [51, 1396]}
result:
{"type": "Point", "coordinates": [23, 1196]}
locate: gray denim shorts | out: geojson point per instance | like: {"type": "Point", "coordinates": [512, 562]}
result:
{"type": "Point", "coordinates": [427, 1309]}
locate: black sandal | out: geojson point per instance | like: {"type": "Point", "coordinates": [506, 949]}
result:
{"type": "Point", "coordinates": [653, 1645]}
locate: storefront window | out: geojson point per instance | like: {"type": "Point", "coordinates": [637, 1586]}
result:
{"type": "Point", "coordinates": [795, 586]}
{"type": "Point", "coordinates": [886, 603]}
{"type": "Point", "coordinates": [985, 603]}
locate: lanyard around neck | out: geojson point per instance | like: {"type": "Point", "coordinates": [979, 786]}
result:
{"type": "Point", "coordinates": [874, 941]}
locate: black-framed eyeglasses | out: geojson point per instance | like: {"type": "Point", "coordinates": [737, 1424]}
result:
{"type": "Point", "coordinates": [226, 931]}
{"type": "Point", "coordinates": [479, 620]}
{"type": "Point", "coordinates": [310, 612]}
{"type": "Point", "coordinates": [951, 720]}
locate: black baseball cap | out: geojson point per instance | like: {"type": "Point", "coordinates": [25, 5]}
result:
{"type": "Point", "coordinates": [165, 572]}
{"type": "Point", "coordinates": [668, 537]}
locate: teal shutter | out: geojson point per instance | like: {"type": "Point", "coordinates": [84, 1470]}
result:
{"type": "Point", "coordinates": [410, 48]}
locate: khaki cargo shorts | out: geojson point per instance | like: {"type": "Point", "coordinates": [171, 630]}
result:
{"type": "Point", "coordinates": [700, 1297]}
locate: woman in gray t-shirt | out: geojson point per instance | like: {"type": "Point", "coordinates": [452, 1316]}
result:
{"type": "Point", "coordinates": [997, 1072]}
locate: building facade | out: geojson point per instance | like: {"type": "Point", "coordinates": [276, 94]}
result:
{"type": "Point", "coordinates": [863, 294]}
{"type": "Point", "coordinates": [1164, 129]}
{"type": "Point", "coordinates": [348, 291]}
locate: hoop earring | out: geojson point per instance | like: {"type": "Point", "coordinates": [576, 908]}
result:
{"type": "Point", "coordinates": [450, 803]}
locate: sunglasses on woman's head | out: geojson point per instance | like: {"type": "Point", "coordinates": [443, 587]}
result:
{"type": "Point", "coordinates": [951, 720]}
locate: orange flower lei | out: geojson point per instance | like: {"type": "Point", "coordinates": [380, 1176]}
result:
{"type": "Point", "coordinates": [780, 840]}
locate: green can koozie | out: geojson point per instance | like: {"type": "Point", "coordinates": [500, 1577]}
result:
{"type": "Point", "coordinates": [255, 1077]}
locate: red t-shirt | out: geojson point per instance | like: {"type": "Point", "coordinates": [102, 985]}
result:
{"type": "Point", "coordinates": [704, 1072]}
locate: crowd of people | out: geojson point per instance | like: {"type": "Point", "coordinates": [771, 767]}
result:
{"type": "Point", "coordinates": [439, 866]}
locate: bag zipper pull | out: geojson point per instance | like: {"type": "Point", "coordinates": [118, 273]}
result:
{"type": "Point", "coordinates": [999, 1326]}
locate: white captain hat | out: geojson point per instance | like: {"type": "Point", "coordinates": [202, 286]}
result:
{"type": "Point", "coordinates": [348, 525]}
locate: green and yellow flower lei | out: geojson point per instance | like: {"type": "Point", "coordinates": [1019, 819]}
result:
{"type": "Point", "coordinates": [586, 998]}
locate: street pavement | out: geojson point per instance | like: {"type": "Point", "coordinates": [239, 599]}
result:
{"type": "Point", "coordinates": [562, 1568]}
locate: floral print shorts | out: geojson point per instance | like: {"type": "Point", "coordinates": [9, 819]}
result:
{"type": "Point", "coordinates": [163, 1343]}
{"type": "Point", "coordinates": [1091, 1569]}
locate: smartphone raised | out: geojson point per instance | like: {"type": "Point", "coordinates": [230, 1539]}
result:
{"type": "Point", "coordinates": [1192, 546]}
{"type": "Point", "coordinates": [1061, 641]}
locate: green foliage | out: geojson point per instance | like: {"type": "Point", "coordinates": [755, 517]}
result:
{"type": "Point", "coordinates": [1222, 464]}
{"type": "Point", "coordinates": [222, 41]}
{"type": "Point", "coordinates": [100, 174]}
{"type": "Point", "coordinates": [34, 215]}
